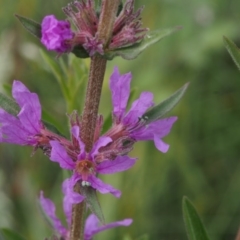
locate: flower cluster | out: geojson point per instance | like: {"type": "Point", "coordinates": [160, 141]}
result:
{"type": "Point", "coordinates": [58, 36]}
{"type": "Point", "coordinates": [108, 154]}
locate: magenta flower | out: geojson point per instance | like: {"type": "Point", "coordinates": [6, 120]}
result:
{"type": "Point", "coordinates": [86, 166]}
{"type": "Point", "coordinates": [129, 126]}
{"type": "Point", "coordinates": [56, 34]}
{"type": "Point", "coordinates": [91, 228]}
{"type": "Point", "coordinates": [26, 127]}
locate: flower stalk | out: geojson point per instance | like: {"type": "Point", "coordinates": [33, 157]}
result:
{"type": "Point", "coordinates": [90, 112]}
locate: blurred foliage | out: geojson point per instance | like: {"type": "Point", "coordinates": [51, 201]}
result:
{"type": "Point", "coordinates": [203, 160]}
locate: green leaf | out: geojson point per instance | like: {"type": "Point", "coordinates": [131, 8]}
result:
{"type": "Point", "coordinates": [80, 52]}
{"type": "Point", "coordinates": [93, 203]}
{"type": "Point", "coordinates": [194, 227]}
{"type": "Point", "coordinates": [133, 51]}
{"type": "Point", "coordinates": [233, 50]}
{"type": "Point", "coordinates": [165, 106]}
{"type": "Point", "coordinates": [33, 27]}
{"type": "Point", "coordinates": [9, 105]}
{"type": "Point", "coordinates": [10, 234]}
{"type": "Point", "coordinates": [51, 123]}
{"type": "Point", "coordinates": [57, 72]}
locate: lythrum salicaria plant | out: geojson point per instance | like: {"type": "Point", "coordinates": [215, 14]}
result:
{"type": "Point", "coordinates": [100, 30]}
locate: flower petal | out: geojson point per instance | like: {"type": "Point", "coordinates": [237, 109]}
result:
{"type": "Point", "coordinates": [55, 33]}
{"type": "Point", "coordinates": [155, 131]}
{"type": "Point", "coordinates": [32, 112]}
{"type": "Point", "coordinates": [160, 128]}
{"type": "Point", "coordinates": [160, 144]}
{"type": "Point", "coordinates": [92, 228]}
{"type": "Point", "coordinates": [103, 187]}
{"type": "Point", "coordinates": [119, 164]}
{"type": "Point", "coordinates": [49, 209]}
{"type": "Point", "coordinates": [12, 130]}
{"type": "Point", "coordinates": [139, 107]}
{"type": "Point", "coordinates": [76, 133]}
{"type": "Point", "coordinates": [29, 119]}
{"type": "Point", "coordinates": [70, 197]}
{"type": "Point", "coordinates": [120, 88]}
{"type": "Point", "coordinates": [101, 142]}
{"type": "Point", "coordinates": [59, 154]}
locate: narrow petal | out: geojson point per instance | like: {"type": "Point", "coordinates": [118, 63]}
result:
{"type": "Point", "coordinates": [59, 154]}
{"type": "Point", "coordinates": [70, 197]}
{"type": "Point", "coordinates": [101, 142]}
{"type": "Point", "coordinates": [49, 209]}
{"type": "Point", "coordinates": [139, 107]}
{"type": "Point", "coordinates": [161, 128]}
{"type": "Point", "coordinates": [18, 91]}
{"type": "Point", "coordinates": [92, 226]}
{"type": "Point", "coordinates": [23, 96]}
{"type": "Point", "coordinates": [76, 133]}
{"type": "Point", "coordinates": [103, 187]}
{"type": "Point", "coordinates": [12, 130]}
{"type": "Point", "coordinates": [160, 144]}
{"type": "Point", "coordinates": [120, 88]}
{"type": "Point", "coordinates": [119, 164]}
{"type": "Point", "coordinates": [30, 119]}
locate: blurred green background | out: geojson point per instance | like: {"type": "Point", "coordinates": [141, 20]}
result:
{"type": "Point", "coordinates": [203, 161]}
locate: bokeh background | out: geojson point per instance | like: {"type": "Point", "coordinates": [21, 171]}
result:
{"type": "Point", "coordinates": [203, 161]}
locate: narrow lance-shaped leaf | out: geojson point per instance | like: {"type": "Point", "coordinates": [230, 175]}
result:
{"type": "Point", "coordinates": [194, 227]}
{"type": "Point", "coordinates": [93, 203]}
{"type": "Point", "coordinates": [233, 50]}
{"type": "Point", "coordinates": [33, 27]}
{"type": "Point", "coordinates": [9, 105]}
{"type": "Point", "coordinates": [58, 73]}
{"type": "Point", "coordinates": [162, 108]}
{"type": "Point", "coordinates": [9, 234]}
{"type": "Point", "coordinates": [133, 51]}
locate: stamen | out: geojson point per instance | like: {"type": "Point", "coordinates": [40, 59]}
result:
{"type": "Point", "coordinates": [86, 184]}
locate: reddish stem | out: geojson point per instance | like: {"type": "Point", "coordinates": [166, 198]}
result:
{"type": "Point", "coordinates": [90, 112]}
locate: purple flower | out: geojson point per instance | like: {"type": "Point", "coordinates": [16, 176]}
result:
{"type": "Point", "coordinates": [91, 228]}
{"type": "Point", "coordinates": [56, 34]}
{"type": "Point", "coordinates": [25, 128]}
{"type": "Point", "coordinates": [129, 125]}
{"type": "Point", "coordinates": [85, 166]}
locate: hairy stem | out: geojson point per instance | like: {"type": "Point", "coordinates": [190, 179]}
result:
{"type": "Point", "coordinates": [90, 112]}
